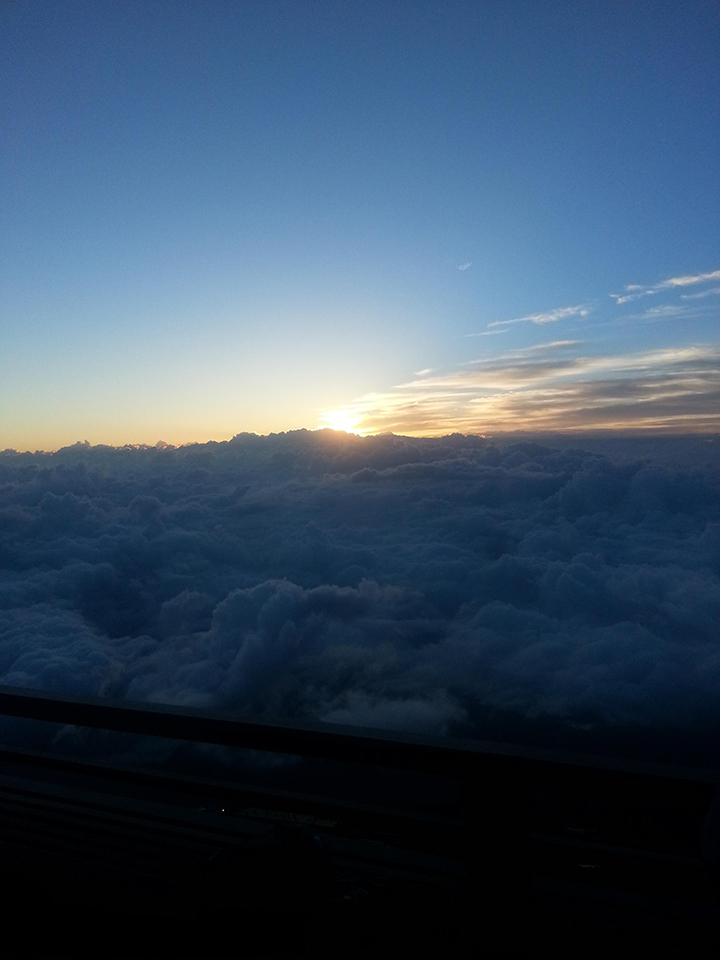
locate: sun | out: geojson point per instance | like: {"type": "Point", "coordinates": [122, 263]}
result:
{"type": "Point", "coordinates": [341, 420]}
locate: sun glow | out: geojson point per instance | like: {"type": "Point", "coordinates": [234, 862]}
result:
{"type": "Point", "coordinates": [341, 420]}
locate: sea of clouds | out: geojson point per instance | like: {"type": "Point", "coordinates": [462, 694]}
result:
{"type": "Point", "coordinates": [537, 590]}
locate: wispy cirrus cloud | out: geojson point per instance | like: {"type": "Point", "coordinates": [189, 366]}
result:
{"type": "Point", "coordinates": [635, 291]}
{"type": "Point", "coordinates": [712, 292]}
{"type": "Point", "coordinates": [568, 384]}
{"type": "Point", "coordinates": [489, 333]}
{"type": "Point", "coordinates": [464, 266]}
{"type": "Point", "coordinates": [667, 311]}
{"type": "Point", "coordinates": [549, 316]}
{"type": "Point", "coordinates": [555, 387]}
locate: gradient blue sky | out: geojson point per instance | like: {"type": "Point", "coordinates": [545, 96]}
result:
{"type": "Point", "coordinates": [429, 217]}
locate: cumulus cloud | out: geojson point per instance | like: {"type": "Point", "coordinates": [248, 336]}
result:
{"type": "Point", "coordinates": [426, 585]}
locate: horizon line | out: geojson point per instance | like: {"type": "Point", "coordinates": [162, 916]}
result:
{"type": "Point", "coordinates": [161, 445]}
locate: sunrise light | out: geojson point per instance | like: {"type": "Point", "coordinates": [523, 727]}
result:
{"type": "Point", "coordinates": [341, 420]}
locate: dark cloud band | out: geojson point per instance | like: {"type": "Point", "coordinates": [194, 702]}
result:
{"type": "Point", "coordinates": [421, 585]}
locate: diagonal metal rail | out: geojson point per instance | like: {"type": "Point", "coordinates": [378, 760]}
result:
{"type": "Point", "coordinates": [534, 823]}
{"type": "Point", "coordinates": [433, 755]}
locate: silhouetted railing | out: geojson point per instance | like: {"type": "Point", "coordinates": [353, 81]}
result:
{"type": "Point", "coordinates": [533, 823]}
{"type": "Point", "coordinates": [434, 755]}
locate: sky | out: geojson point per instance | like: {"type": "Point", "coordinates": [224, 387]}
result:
{"type": "Point", "coordinates": [417, 218]}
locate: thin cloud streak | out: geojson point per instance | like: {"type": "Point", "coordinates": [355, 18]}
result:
{"type": "Point", "coordinates": [489, 333]}
{"type": "Point", "coordinates": [535, 348]}
{"type": "Point", "coordinates": [635, 291]}
{"type": "Point", "coordinates": [550, 316]}
{"type": "Point", "coordinates": [668, 311]}
{"type": "Point", "coordinates": [712, 292]}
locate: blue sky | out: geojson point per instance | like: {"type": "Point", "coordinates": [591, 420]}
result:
{"type": "Point", "coordinates": [221, 217]}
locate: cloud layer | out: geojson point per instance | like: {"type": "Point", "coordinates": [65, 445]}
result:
{"type": "Point", "coordinates": [555, 386]}
{"type": "Point", "coordinates": [608, 382]}
{"type": "Point", "coordinates": [421, 585]}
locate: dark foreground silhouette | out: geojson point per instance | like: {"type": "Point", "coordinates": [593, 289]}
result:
{"type": "Point", "coordinates": [536, 852]}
